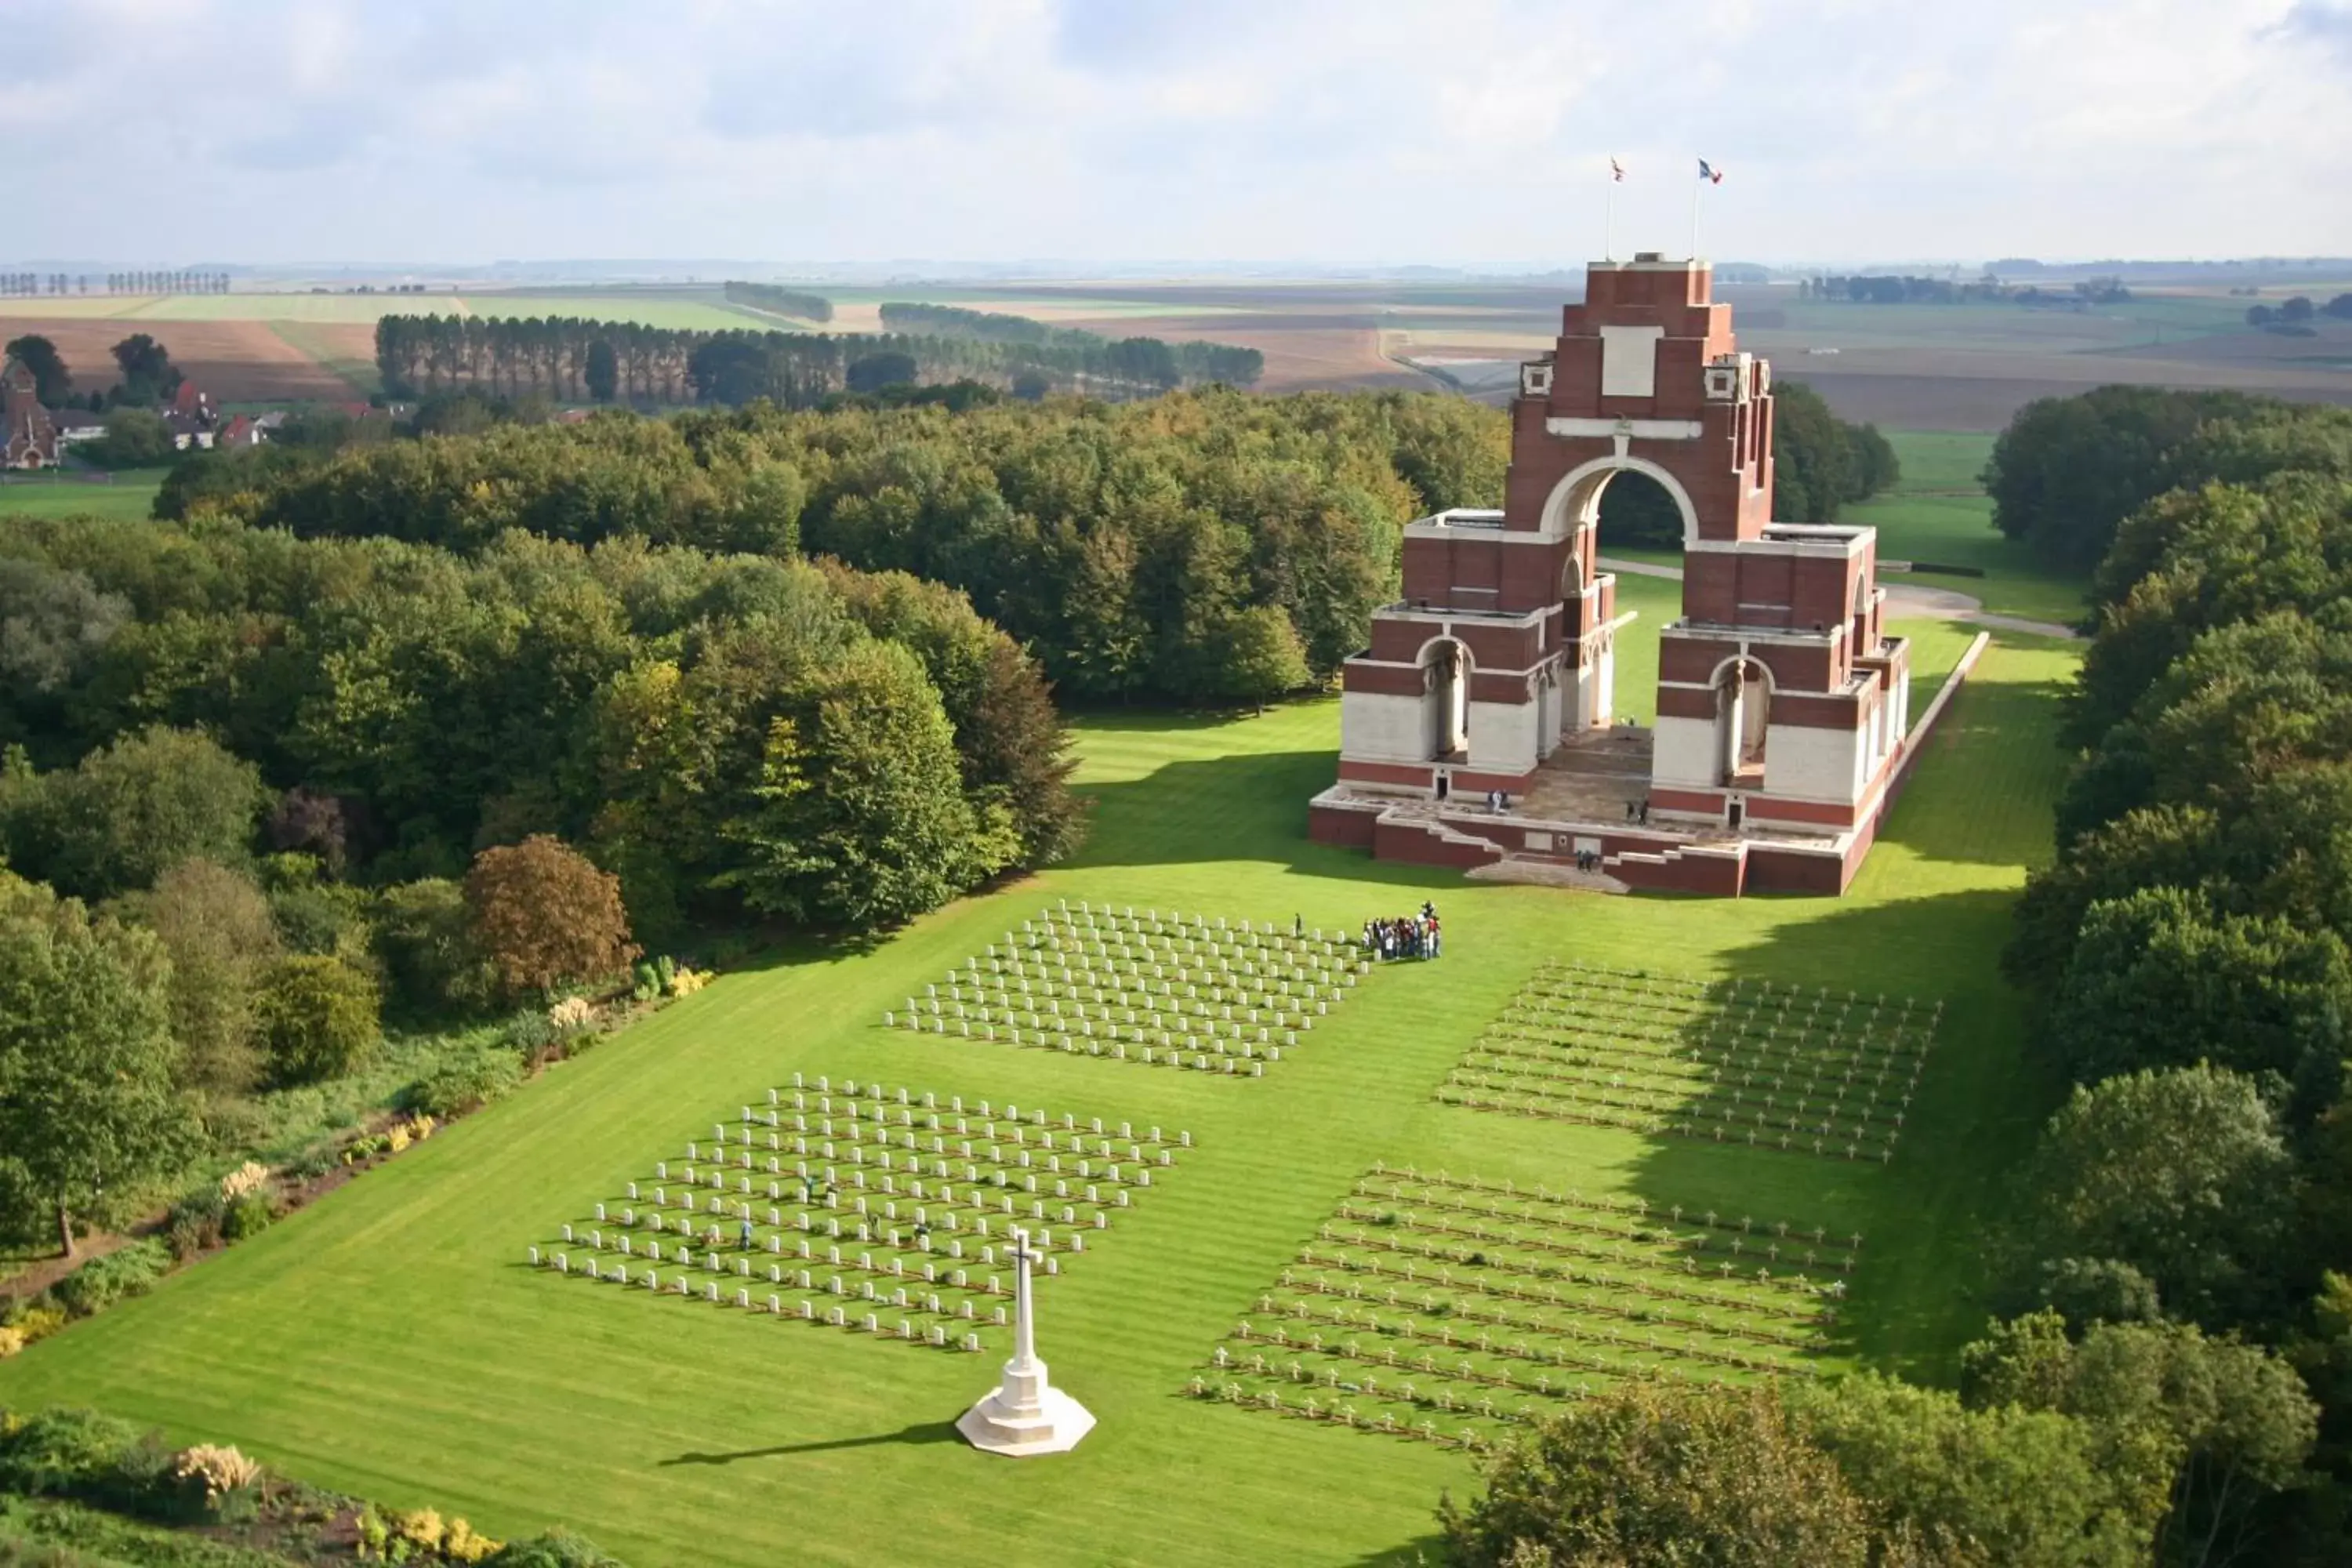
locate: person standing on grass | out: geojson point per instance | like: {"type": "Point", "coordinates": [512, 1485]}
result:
{"type": "Point", "coordinates": [747, 1233]}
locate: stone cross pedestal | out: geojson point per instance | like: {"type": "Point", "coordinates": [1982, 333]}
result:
{"type": "Point", "coordinates": [1024, 1415]}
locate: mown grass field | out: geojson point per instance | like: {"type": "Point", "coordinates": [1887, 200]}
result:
{"type": "Point", "coordinates": [1939, 512]}
{"type": "Point", "coordinates": [131, 494]}
{"type": "Point", "coordinates": [391, 1340]}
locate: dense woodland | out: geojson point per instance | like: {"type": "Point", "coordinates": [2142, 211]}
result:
{"type": "Point", "coordinates": [1206, 546]}
{"type": "Point", "coordinates": [2188, 950]}
{"type": "Point", "coordinates": [576, 361]}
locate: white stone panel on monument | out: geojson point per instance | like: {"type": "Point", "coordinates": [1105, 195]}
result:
{"type": "Point", "coordinates": [1629, 361]}
{"type": "Point", "coordinates": [1682, 753]}
{"type": "Point", "coordinates": [1820, 764]}
{"type": "Point", "coordinates": [1503, 736]}
{"type": "Point", "coordinates": [1384, 727]}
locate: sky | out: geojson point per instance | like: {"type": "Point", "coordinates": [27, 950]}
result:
{"type": "Point", "coordinates": [1337, 133]}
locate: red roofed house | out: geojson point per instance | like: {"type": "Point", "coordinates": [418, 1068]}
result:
{"type": "Point", "coordinates": [28, 436]}
{"type": "Point", "coordinates": [191, 417]}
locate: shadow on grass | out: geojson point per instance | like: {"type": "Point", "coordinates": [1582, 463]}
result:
{"type": "Point", "coordinates": [1988, 779]}
{"type": "Point", "coordinates": [925, 1433]}
{"type": "Point", "coordinates": [1419, 1552]}
{"type": "Point", "coordinates": [1928, 1217]}
{"type": "Point", "coordinates": [1250, 806]}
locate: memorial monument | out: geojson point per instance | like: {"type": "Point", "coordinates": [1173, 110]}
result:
{"type": "Point", "coordinates": [1782, 706]}
{"type": "Point", "coordinates": [1024, 1416]}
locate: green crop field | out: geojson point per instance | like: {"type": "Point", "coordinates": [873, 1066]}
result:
{"type": "Point", "coordinates": [393, 1340]}
{"type": "Point", "coordinates": [131, 494]}
{"type": "Point", "coordinates": [305, 337]}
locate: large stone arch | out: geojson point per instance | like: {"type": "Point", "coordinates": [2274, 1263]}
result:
{"type": "Point", "coordinates": [1577, 495]}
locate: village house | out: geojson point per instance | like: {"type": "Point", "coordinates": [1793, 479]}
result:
{"type": "Point", "coordinates": [191, 418]}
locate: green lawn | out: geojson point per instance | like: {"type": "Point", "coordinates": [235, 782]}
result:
{"type": "Point", "coordinates": [130, 494]}
{"type": "Point", "coordinates": [1940, 462]}
{"type": "Point", "coordinates": [1939, 512]}
{"type": "Point", "coordinates": [391, 1341]}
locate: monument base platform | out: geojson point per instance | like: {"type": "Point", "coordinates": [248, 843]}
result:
{"type": "Point", "coordinates": [1025, 1422]}
{"type": "Point", "coordinates": [1573, 807]}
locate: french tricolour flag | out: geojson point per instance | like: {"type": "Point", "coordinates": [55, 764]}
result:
{"type": "Point", "coordinates": [1709, 172]}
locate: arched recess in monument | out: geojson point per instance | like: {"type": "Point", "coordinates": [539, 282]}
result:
{"type": "Point", "coordinates": [1575, 501]}
{"type": "Point", "coordinates": [1445, 697]}
{"type": "Point", "coordinates": [1743, 719]}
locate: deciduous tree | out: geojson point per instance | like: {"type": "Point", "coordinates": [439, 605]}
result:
{"type": "Point", "coordinates": [2181, 1174]}
{"type": "Point", "coordinates": [546, 916]}
{"type": "Point", "coordinates": [87, 1058]}
{"type": "Point", "coordinates": [318, 1017]}
{"type": "Point", "coordinates": [1656, 1473]}
{"type": "Point", "coordinates": [115, 821]}
{"type": "Point", "coordinates": [2003, 1486]}
{"type": "Point", "coordinates": [216, 929]}
{"type": "Point", "coordinates": [860, 818]}
{"type": "Point", "coordinates": [2224, 1424]}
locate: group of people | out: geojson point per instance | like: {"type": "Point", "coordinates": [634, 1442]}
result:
{"type": "Point", "coordinates": [1412, 936]}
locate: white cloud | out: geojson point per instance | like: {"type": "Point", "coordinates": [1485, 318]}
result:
{"type": "Point", "coordinates": [1343, 131]}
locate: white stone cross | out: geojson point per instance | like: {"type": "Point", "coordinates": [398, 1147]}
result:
{"type": "Point", "coordinates": [1024, 1415]}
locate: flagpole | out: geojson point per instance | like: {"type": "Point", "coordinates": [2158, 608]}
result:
{"type": "Point", "coordinates": [1609, 220]}
{"type": "Point", "coordinates": [1696, 187]}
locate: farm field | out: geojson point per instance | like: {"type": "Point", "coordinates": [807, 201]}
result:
{"type": "Point", "coordinates": [395, 1340]}
{"type": "Point", "coordinates": [1958, 368]}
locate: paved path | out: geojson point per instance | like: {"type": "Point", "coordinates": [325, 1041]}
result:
{"type": "Point", "coordinates": [1903, 600]}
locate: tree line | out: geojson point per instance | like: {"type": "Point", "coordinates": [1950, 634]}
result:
{"type": "Point", "coordinates": [2067, 471]}
{"type": "Point", "coordinates": [34, 284]}
{"type": "Point", "coordinates": [1209, 546]}
{"type": "Point", "coordinates": [784, 301]}
{"type": "Point", "coordinates": [1906, 288]}
{"type": "Point", "coordinates": [713, 726]}
{"type": "Point", "coordinates": [2188, 952]}
{"type": "Point", "coordinates": [2297, 311]}
{"type": "Point", "coordinates": [577, 361]}
{"type": "Point", "coordinates": [1193, 362]}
